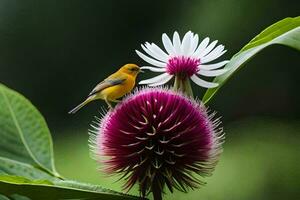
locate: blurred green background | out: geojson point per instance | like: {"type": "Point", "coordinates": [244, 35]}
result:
{"type": "Point", "coordinates": [54, 52]}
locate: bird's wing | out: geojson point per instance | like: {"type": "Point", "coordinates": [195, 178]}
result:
{"type": "Point", "coordinates": [110, 81]}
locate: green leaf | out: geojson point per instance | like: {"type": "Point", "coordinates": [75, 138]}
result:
{"type": "Point", "coordinates": [26, 157]}
{"type": "Point", "coordinates": [285, 32]}
{"type": "Point", "coordinates": [2, 197]}
{"type": "Point", "coordinates": [18, 197]}
{"type": "Point", "coordinates": [24, 134]}
{"type": "Point", "coordinates": [13, 167]}
{"type": "Point", "coordinates": [46, 190]}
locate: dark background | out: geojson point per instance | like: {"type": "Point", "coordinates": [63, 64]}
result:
{"type": "Point", "coordinates": [55, 51]}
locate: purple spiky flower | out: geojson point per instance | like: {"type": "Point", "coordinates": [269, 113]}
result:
{"type": "Point", "coordinates": [157, 138]}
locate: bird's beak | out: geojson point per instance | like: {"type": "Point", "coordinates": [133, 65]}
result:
{"type": "Point", "coordinates": [141, 71]}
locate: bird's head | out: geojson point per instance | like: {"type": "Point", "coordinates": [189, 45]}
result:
{"type": "Point", "coordinates": [130, 69]}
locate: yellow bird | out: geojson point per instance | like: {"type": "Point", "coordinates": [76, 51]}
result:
{"type": "Point", "coordinates": [113, 87]}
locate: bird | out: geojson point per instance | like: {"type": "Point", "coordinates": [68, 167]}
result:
{"type": "Point", "coordinates": [113, 87]}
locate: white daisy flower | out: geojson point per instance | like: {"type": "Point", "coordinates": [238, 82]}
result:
{"type": "Point", "coordinates": [184, 59]}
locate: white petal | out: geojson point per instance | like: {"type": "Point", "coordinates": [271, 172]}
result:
{"type": "Point", "coordinates": [154, 69]}
{"type": "Point", "coordinates": [194, 44]}
{"type": "Point", "coordinates": [214, 66]}
{"type": "Point", "coordinates": [207, 49]}
{"type": "Point", "coordinates": [155, 49]}
{"type": "Point", "coordinates": [201, 47]}
{"type": "Point", "coordinates": [176, 43]}
{"type": "Point", "coordinates": [214, 54]}
{"type": "Point", "coordinates": [155, 79]}
{"type": "Point", "coordinates": [186, 43]}
{"type": "Point", "coordinates": [150, 60]}
{"type": "Point", "coordinates": [212, 73]}
{"type": "Point", "coordinates": [168, 44]}
{"type": "Point", "coordinates": [203, 83]}
{"type": "Point", "coordinates": [161, 82]}
{"type": "Point", "coordinates": [214, 57]}
{"type": "Point", "coordinates": [151, 53]}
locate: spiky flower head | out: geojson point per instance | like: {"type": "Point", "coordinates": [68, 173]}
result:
{"type": "Point", "coordinates": [157, 138]}
{"type": "Point", "coordinates": [184, 60]}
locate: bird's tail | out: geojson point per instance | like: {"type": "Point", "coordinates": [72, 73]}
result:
{"type": "Point", "coordinates": [74, 110]}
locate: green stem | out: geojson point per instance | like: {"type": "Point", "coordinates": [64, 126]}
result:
{"type": "Point", "coordinates": [187, 87]}
{"type": "Point", "coordinates": [177, 83]}
{"type": "Point", "coordinates": [156, 191]}
{"type": "Point", "coordinates": [183, 85]}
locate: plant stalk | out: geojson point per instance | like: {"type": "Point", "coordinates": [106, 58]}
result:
{"type": "Point", "coordinates": [183, 85]}
{"type": "Point", "coordinates": [187, 87]}
{"type": "Point", "coordinates": [156, 191]}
